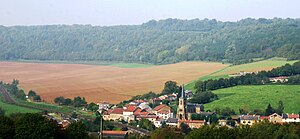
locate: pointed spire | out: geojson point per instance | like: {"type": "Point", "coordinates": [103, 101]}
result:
{"type": "Point", "coordinates": [182, 91]}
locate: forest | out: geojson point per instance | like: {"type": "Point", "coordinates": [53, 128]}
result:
{"type": "Point", "coordinates": [156, 42]}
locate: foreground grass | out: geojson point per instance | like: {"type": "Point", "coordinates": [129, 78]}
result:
{"type": "Point", "coordinates": [255, 66]}
{"type": "Point", "coordinates": [258, 97]}
{"type": "Point", "coordinates": [9, 109]}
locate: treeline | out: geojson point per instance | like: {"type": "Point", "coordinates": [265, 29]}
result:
{"type": "Point", "coordinates": [259, 78]}
{"type": "Point", "coordinates": [76, 102]}
{"type": "Point", "coordinates": [158, 42]}
{"type": "Point", "coordinates": [260, 130]}
{"type": "Point", "coordinates": [36, 126]}
{"type": "Point", "coordinates": [13, 89]}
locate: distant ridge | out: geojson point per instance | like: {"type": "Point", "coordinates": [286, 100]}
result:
{"type": "Point", "coordinates": [157, 42]}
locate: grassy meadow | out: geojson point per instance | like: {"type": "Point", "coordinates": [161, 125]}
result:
{"type": "Point", "coordinates": [249, 67]}
{"type": "Point", "coordinates": [258, 97]}
{"type": "Point", "coordinates": [9, 109]}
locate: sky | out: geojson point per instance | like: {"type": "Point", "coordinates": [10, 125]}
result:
{"type": "Point", "coordinates": [129, 12]}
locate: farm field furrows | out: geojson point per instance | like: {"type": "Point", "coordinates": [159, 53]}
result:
{"type": "Point", "coordinates": [100, 83]}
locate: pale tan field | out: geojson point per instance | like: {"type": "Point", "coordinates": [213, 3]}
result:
{"type": "Point", "coordinates": [100, 83]}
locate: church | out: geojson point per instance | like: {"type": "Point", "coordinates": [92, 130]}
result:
{"type": "Point", "coordinates": [185, 110]}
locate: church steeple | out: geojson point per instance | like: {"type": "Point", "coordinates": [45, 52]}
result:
{"type": "Point", "coordinates": [182, 91]}
{"type": "Point", "coordinates": [181, 111]}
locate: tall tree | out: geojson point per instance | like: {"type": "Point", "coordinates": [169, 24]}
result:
{"type": "Point", "coordinates": [270, 110]}
{"type": "Point", "coordinates": [280, 107]}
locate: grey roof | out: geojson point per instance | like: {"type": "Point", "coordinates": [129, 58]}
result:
{"type": "Point", "coordinates": [249, 117]}
{"type": "Point", "coordinates": [172, 120]}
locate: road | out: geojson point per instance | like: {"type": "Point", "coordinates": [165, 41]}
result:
{"type": "Point", "coordinates": [133, 129]}
{"type": "Point", "coordinates": [6, 95]}
{"type": "Point", "coordinates": [9, 100]}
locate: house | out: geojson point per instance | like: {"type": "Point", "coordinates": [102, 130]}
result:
{"type": "Point", "coordinates": [128, 113]}
{"type": "Point", "coordinates": [222, 122]}
{"type": "Point", "coordinates": [188, 94]}
{"type": "Point", "coordinates": [104, 106]}
{"type": "Point", "coordinates": [275, 118]}
{"type": "Point", "coordinates": [155, 100]}
{"type": "Point", "coordinates": [115, 114]}
{"type": "Point", "coordinates": [115, 134]}
{"type": "Point", "coordinates": [191, 123]}
{"type": "Point", "coordinates": [158, 122]}
{"type": "Point", "coordinates": [172, 122]}
{"type": "Point", "coordinates": [281, 79]}
{"type": "Point", "coordinates": [241, 73]}
{"type": "Point", "coordinates": [145, 105]}
{"type": "Point", "coordinates": [249, 119]}
{"type": "Point", "coordinates": [172, 97]}
{"type": "Point", "coordinates": [140, 111]}
{"type": "Point", "coordinates": [64, 124]}
{"type": "Point", "coordinates": [150, 117]}
{"type": "Point", "coordinates": [290, 118]}
{"type": "Point", "coordinates": [163, 111]}
{"type": "Point", "coordinates": [163, 97]}
{"type": "Point", "coordinates": [262, 118]}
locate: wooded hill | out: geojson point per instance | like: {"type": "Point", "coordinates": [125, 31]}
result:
{"type": "Point", "coordinates": [158, 42]}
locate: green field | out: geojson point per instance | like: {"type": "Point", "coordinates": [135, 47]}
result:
{"type": "Point", "coordinates": [264, 64]}
{"type": "Point", "coordinates": [101, 63]}
{"type": "Point", "coordinates": [9, 109]}
{"type": "Point", "coordinates": [255, 66]}
{"type": "Point", "coordinates": [131, 65]}
{"type": "Point", "coordinates": [258, 97]}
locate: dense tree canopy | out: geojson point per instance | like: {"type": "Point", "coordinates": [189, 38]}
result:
{"type": "Point", "coordinates": [159, 42]}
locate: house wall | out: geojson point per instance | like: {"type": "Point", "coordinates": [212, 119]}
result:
{"type": "Point", "coordinates": [248, 122]}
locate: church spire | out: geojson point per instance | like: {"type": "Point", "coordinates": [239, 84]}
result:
{"type": "Point", "coordinates": [182, 91]}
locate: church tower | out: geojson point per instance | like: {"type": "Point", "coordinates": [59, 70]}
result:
{"type": "Point", "coordinates": [182, 107]}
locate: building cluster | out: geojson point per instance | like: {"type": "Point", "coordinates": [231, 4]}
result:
{"type": "Point", "coordinates": [280, 79]}
{"type": "Point", "coordinates": [164, 114]}
{"type": "Point", "coordinates": [274, 118]}
{"type": "Point", "coordinates": [241, 73]}
{"type": "Point", "coordinates": [140, 109]}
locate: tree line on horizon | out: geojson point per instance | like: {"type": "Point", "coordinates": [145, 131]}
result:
{"type": "Point", "coordinates": [157, 42]}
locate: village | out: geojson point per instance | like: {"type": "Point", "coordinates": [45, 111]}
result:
{"type": "Point", "coordinates": [164, 114]}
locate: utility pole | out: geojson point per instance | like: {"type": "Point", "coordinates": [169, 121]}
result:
{"type": "Point", "coordinates": [101, 127]}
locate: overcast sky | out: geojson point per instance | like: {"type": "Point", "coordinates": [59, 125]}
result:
{"type": "Point", "coordinates": [127, 12]}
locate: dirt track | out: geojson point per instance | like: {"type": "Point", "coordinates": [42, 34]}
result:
{"type": "Point", "coordinates": [100, 83]}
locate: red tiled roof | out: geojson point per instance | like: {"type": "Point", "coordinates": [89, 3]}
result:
{"type": "Point", "coordinates": [114, 132]}
{"type": "Point", "coordinates": [293, 115]}
{"type": "Point", "coordinates": [159, 107]}
{"type": "Point", "coordinates": [164, 112]}
{"type": "Point", "coordinates": [117, 111]}
{"type": "Point", "coordinates": [191, 121]}
{"type": "Point", "coordinates": [131, 109]}
{"type": "Point", "coordinates": [108, 111]}
{"type": "Point", "coordinates": [264, 117]}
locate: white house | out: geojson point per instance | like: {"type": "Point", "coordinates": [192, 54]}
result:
{"type": "Point", "coordinates": [290, 118]}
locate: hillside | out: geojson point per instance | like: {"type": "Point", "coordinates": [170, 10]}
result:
{"type": "Point", "coordinates": [258, 97]}
{"type": "Point", "coordinates": [156, 42]}
{"type": "Point", "coordinates": [249, 67]}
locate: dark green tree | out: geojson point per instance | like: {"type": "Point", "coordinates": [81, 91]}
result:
{"type": "Point", "coordinates": [270, 110]}
{"type": "Point", "coordinates": [7, 128]}
{"type": "Point", "coordinates": [280, 108]}
{"type": "Point", "coordinates": [77, 130]}
{"type": "Point", "coordinates": [170, 87]}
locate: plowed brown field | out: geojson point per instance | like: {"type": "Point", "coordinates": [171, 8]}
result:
{"type": "Point", "coordinates": [100, 83]}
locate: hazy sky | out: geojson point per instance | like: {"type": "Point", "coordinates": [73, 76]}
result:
{"type": "Point", "coordinates": [120, 12]}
